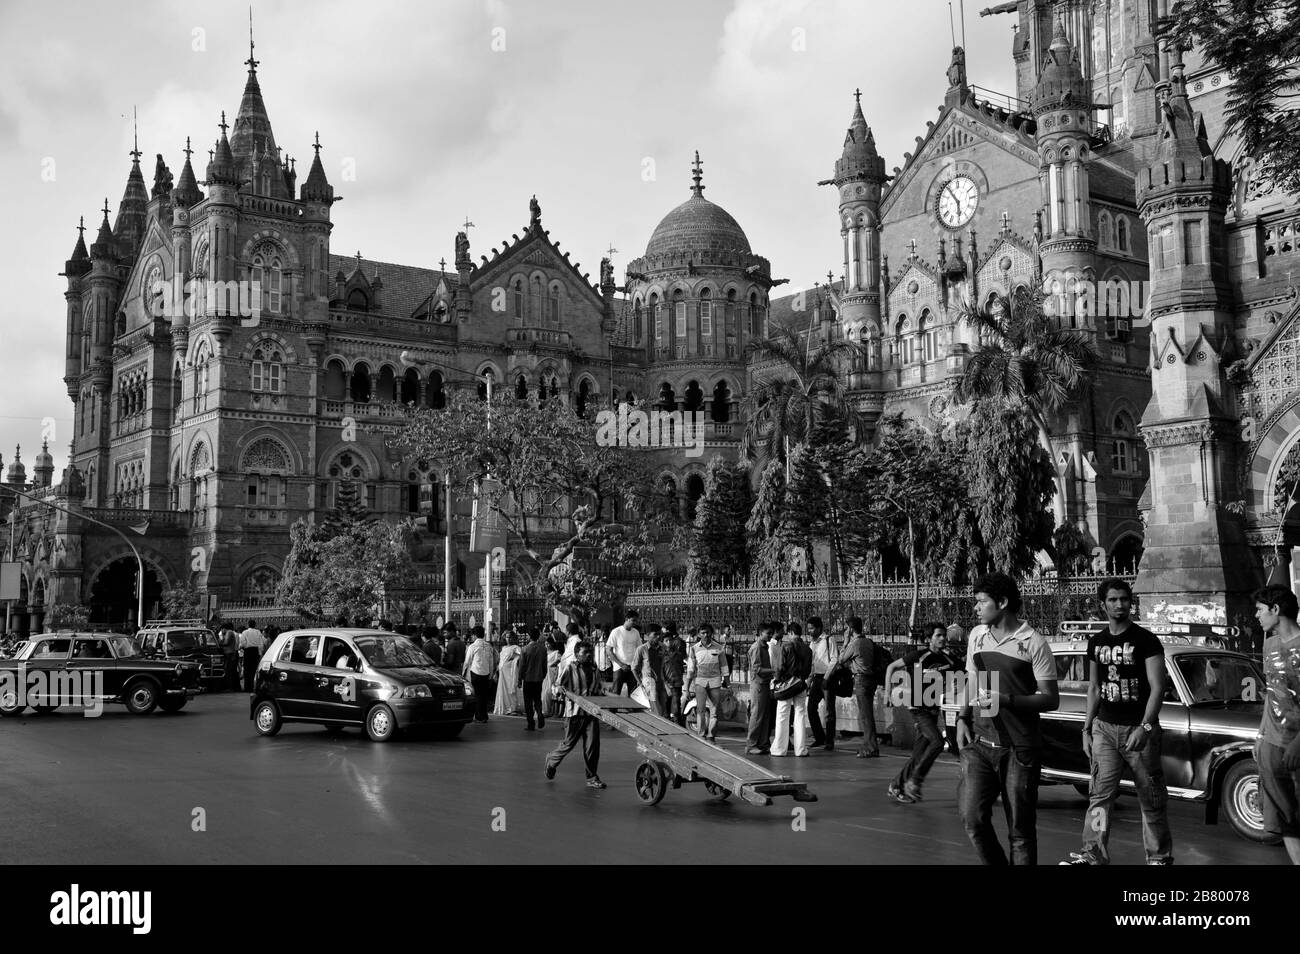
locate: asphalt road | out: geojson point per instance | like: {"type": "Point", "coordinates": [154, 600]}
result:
{"type": "Point", "coordinates": [125, 789]}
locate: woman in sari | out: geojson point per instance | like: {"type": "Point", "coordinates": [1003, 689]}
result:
{"type": "Point", "coordinates": [549, 703]}
{"type": "Point", "coordinates": [509, 699]}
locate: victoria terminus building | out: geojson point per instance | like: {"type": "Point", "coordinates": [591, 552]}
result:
{"type": "Point", "coordinates": [1107, 168]}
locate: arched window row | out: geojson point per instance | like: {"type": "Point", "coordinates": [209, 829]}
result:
{"type": "Point", "coordinates": [1113, 232]}
{"type": "Point", "coordinates": [132, 394]}
{"type": "Point", "coordinates": [916, 342]}
{"type": "Point", "coordinates": [1124, 445]}
{"type": "Point", "coordinates": [128, 483]}
{"type": "Point", "coordinates": [708, 325]}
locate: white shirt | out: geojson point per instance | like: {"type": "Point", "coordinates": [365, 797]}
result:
{"type": "Point", "coordinates": [824, 653]}
{"type": "Point", "coordinates": [481, 658]}
{"type": "Point", "coordinates": [252, 639]}
{"type": "Point", "coordinates": [623, 643]}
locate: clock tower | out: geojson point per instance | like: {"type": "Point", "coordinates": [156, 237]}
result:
{"type": "Point", "coordinates": [859, 178]}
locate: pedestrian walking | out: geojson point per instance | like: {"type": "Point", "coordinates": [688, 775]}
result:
{"type": "Point", "coordinates": [707, 671]}
{"type": "Point", "coordinates": [229, 640]}
{"type": "Point", "coordinates": [1121, 727]}
{"type": "Point", "coordinates": [824, 654]}
{"type": "Point", "coordinates": [479, 667]}
{"type": "Point", "coordinates": [581, 679]}
{"type": "Point", "coordinates": [621, 647]}
{"type": "Point", "coordinates": [532, 677]}
{"type": "Point", "coordinates": [761, 672]}
{"type": "Point", "coordinates": [1010, 681]}
{"type": "Point", "coordinates": [509, 700]}
{"type": "Point", "coordinates": [648, 667]}
{"type": "Point", "coordinates": [453, 649]}
{"type": "Point", "coordinates": [674, 671]}
{"type": "Point", "coordinates": [924, 699]}
{"type": "Point", "coordinates": [1277, 750]}
{"type": "Point", "coordinates": [251, 645]}
{"type": "Point", "coordinates": [859, 655]}
{"type": "Point", "coordinates": [793, 667]}
{"type": "Point", "coordinates": [554, 653]}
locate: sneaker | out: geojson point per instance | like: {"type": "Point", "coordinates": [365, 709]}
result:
{"type": "Point", "coordinates": [754, 750]}
{"type": "Point", "coordinates": [595, 782]}
{"type": "Point", "coordinates": [913, 791]}
{"type": "Point", "coordinates": [1080, 858]}
{"type": "Point", "coordinates": [550, 771]}
{"type": "Point", "coordinates": [893, 791]}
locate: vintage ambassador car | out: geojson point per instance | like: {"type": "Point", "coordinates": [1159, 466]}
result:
{"type": "Point", "coordinates": [1214, 700]}
{"type": "Point", "coordinates": [106, 667]}
{"type": "Point", "coordinates": [357, 677]}
{"type": "Point", "coordinates": [186, 639]}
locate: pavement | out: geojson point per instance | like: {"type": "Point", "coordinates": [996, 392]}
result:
{"type": "Point", "coordinates": [201, 787]}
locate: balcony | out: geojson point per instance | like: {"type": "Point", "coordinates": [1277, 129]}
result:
{"type": "Point", "coordinates": [137, 515]}
{"type": "Point", "coordinates": [546, 336]}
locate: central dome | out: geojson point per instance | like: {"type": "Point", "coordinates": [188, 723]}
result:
{"type": "Point", "coordinates": [697, 225]}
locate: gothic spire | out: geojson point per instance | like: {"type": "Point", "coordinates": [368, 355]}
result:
{"type": "Point", "coordinates": [316, 188]}
{"type": "Point", "coordinates": [132, 212]}
{"type": "Point", "coordinates": [252, 136]}
{"type": "Point", "coordinates": [187, 191]}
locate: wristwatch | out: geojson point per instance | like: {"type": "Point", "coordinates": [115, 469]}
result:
{"type": "Point", "coordinates": [1148, 727]}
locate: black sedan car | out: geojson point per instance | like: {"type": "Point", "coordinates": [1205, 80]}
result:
{"type": "Point", "coordinates": [88, 669]}
{"type": "Point", "coordinates": [357, 677]}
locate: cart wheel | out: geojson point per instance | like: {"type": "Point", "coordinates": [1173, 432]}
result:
{"type": "Point", "coordinates": [651, 782]}
{"type": "Point", "coordinates": [717, 791]}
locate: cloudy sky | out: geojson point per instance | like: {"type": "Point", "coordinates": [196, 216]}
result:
{"type": "Point", "coordinates": [431, 112]}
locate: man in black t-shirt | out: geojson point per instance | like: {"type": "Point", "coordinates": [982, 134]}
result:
{"type": "Point", "coordinates": [1121, 727]}
{"type": "Point", "coordinates": [925, 669]}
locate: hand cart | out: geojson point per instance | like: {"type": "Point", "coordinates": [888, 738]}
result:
{"type": "Point", "coordinates": [675, 755]}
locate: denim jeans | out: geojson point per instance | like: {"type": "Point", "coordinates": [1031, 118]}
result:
{"type": "Point", "coordinates": [864, 695]}
{"type": "Point", "coordinates": [926, 748]}
{"type": "Point", "coordinates": [1109, 757]}
{"type": "Point", "coordinates": [987, 772]}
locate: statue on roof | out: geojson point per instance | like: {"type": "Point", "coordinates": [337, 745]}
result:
{"type": "Point", "coordinates": [162, 178]}
{"type": "Point", "coordinates": [606, 272]}
{"type": "Point", "coordinates": [957, 68]}
{"type": "Point", "coordinates": [462, 250]}
{"type": "Point", "coordinates": [535, 210]}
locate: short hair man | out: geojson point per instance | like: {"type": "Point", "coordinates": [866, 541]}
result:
{"type": "Point", "coordinates": [1277, 751]}
{"type": "Point", "coordinates": [761, 672]}
{"type": "Point", "coordinates": [859, 656]}
{"type": "Point", "coordinates": [708, 672]}
{"type": "Point", "coordinates": [824, 653]}
{"type": "Point", "coordinates": [925, 668]}
{"type": "Point", "coordinates": [1121, 726]}
{"type": "Point", "coordinates": [1011, 666]}
{"type": "Point", "coordinates": [622, 645]}
{"type": "Point", "coordinates": [251, 644]}
{"type": "Point", "coordinates": [582, 679]}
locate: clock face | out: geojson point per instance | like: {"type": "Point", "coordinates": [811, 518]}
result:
{"type": "Point", "coordinates": [958, 200]}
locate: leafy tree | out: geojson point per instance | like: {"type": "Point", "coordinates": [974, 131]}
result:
{"type": "Point", "coordinates": [1011, 482]}
{"type": "Point", "coordinates": [181, 602]}
{"type": "Point", "coordinates": [763, 525]}
{"type": "Point", "coordinates": [825, 493]}
{"type": "Point", "coordinates": [1070, 550]}
{"type": "Point", "coordinates": [1025, 361]}
{"type": "Point", "coordinates": [795, 386]}
{"type": "Point", "coordinates": [1257, 42]}
{"type": "Point", "coordinates": [718, 549]}
{"type": "Point", "coordinates": [346, 564]}
{"type": "Point", "coordinates": [910, 484]}
{"type": "Point", "coordinates": [556, 488]}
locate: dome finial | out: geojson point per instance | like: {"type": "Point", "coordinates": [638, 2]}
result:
{"type": "Point", "coordinates": [697, 174]}
{"type": "Point", "coordinates": [223, 125]}
{"type": "Point", "coordinates": [135, 135]}
{"type": "Point", "coordinates": [316, 144]}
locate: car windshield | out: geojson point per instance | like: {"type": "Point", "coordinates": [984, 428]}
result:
{"type": "Point", "coordinates": [124, 647]}
{"type": "Point", "coordinates": [1220, 679]}
{"type": "Point", "coordinates": [391, 652]}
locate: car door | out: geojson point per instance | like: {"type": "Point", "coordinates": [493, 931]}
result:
{"type": "Point", "coordinates": [47, 661]}
{"type": "Point", "coordinates": [336, 696]}
{"type": "Point", "coordinates": [1176, 756]}
{"type": "Point", "coordinates": [1063, 728]}
{"type": "Point", "coordinates": [94, 667]}
{"type": "Point", "coordinates": [295, 674]}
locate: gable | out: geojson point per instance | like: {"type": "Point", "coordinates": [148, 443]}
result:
{"type": "Point", "coordinates": [527, 255]}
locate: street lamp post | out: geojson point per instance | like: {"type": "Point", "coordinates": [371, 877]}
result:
{"type": "Point", "coordinates": [139, 581]}
{"type": "Point", "coordinates": [411, 361]}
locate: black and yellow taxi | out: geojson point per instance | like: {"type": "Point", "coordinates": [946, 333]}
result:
{"type": "Point", "coordinates": [373, 679]}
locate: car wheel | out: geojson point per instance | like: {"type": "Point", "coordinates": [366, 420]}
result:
{"type": "Point", "coordinates": [173, 703]}
{"type": "Point", "coordinates": [9, 704]}
{"type": "Point", "coordinates": [1240, 797]}
{"type": "Point", "coordinates": [381, 724]}
{"type": "Point", "coordinates": [267, 718]}
{"type": "Point", "coordinates": [142, 697]}
{"type": "Point", "coordinates": [448, 732]}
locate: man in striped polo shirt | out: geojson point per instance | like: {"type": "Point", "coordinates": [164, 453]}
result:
{"type": "Point", "coordinates": [1011, 679]}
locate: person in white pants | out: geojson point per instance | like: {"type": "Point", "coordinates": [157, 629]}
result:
{"type": "Point", "coordinates": [793, 662]}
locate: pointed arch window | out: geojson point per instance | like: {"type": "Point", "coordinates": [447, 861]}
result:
{"type": "Point", "coordinates": [929, 337]}
{"type": "Point", "coordinates": [637, 317]}
{"type": "Point", "coordinates": [266, 274]}
{"type": "Point", "coordinates": [706, 316]}
{"type": "Point", "coordinates": [554, 304]}
{"type": "Point", "coordinates": [519, 298]}
{"type": "Point", "coordinates": [679, 309]}
{"type": "Point", "coordinates": [1122, 453]}
{"type": "Point", "coordinates": [1121, 234]}
{"type": "Point", "coordinates": [202, 359]}
{"type": "Point", "coordinates": [268, 371]}
{"type": "Point", "coordinates": [657, 311]}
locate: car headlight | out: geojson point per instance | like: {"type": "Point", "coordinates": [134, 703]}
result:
{"type": "Point", "coordinates": [417, 692]}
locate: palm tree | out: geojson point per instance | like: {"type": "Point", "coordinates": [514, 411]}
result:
{"type": "Point", "coordinates": [802, 386]}
{"type": "Point", "coordinates": [1024, 360]}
